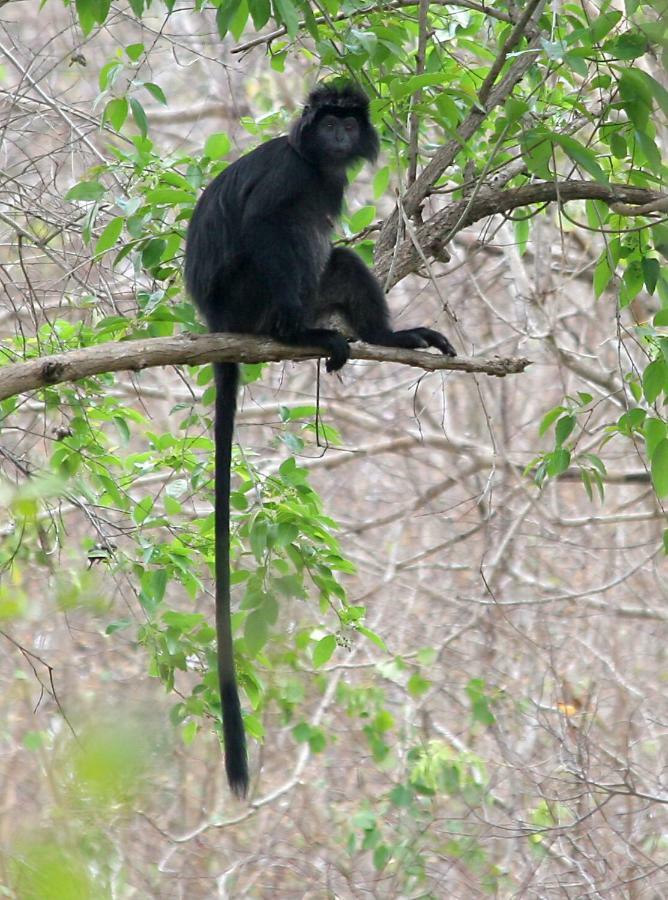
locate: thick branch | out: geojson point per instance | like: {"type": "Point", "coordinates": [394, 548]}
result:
{"type": "Point", "coordinates": [442, 226]}
{"type": "Point", "coordinates": [193, 350]}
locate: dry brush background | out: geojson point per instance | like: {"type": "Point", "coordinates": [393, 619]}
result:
{"type": "Point", "coordinates": [557, 602]}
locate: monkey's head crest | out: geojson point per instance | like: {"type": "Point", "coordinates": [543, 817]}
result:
{"type": "Point", "coordinates": [340, 99]}
{"type": "Point", "coordinates": [336, 98]}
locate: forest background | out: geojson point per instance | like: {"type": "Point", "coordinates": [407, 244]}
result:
{"type": "Point", "coordinates": [450, 585]}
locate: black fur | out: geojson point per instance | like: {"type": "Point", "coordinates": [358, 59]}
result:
{"type": "Point", "coordinates": [259, 261]}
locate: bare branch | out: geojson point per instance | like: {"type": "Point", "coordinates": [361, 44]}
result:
{"type": "Point", "coordinates": [626, 209]}
{"type": "Point", "coordinates": [194, 350]}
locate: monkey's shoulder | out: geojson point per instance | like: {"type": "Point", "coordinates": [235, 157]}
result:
{"type": "Point", "coordinates": [274, 179]}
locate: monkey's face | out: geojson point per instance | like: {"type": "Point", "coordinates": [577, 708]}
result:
{"type": "Point", "coordinates": [337, 138]}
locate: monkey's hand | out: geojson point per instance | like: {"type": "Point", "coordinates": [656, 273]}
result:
{"type": "Point", "coordinates": [436, 339]}
{"type": "Point", "coordinates": [333, 343]}
{"type": "Point", "coordinates": [419, 338]}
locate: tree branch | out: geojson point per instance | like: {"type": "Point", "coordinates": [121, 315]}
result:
{"type": "Point", "coordinates": [194, 350]}
{"type": "Point", "coordinates": [456, 216]}
{"type": "Point", "coordinates": [383, 7]}
{"type": "Point", "coordinates": [489, 98]}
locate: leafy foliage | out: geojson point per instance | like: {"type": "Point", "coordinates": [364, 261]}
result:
{"type": "Point", "coordinates": [589, 107]}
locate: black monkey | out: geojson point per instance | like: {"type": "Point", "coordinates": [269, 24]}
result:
{"type": "Point", "coordinates": [259, 260]}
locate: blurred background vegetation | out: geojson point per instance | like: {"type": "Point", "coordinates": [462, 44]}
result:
{"type": "Point", "coordinates": [451, 589]}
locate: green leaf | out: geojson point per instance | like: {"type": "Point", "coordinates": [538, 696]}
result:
{"type": "Point", "coordinates": [323, 650]}
{"type": "Point", "coordinates": [225, 14]}
{"type": "Point", "coordinates": [565, 426]}
{"type": "Point", "coordinates": [402, 87]}
{"type": "Point", "coordinates": [142, 509]}
{"type": "Point", "coordinates": [317, 741]}
{"type": "Point", "coordinates": [86, 190]}
{"type": "Point", "coordinates": [189, 732]}
{"type": "Point", "coordinates": [239, 20]}
{"type": "Point", "coordinates": [253, 725]}
{"type": "Point", "coordinates": [632, 422]}
{"type": "Point", "coordinates": [618, 145]}
{"type": "Point", "coordinates": [122, 428]}
{"type": "Point", "coordinates": [152, 252]}
{"type": "Point", "coordinates": [655, 379]}
{"type": "Point", "coordinates": [660, 468]}
{"type": "Point", "coordinates": [654, 431]}
{"type": "Point", "coordinates": [286, 13]}
{"type": "Point", "coordinates": [109, 73]}
{"type": "Point", "coordinates": [364, 819]}
{"type": "Point", "coordinates": [159, 583]}
{"type": "Point", "coordinates": [576, 61]}
{"type": "Point", "coordinates": [549, 418]}
{"type": "Point", "coordinates": [401, 796]}
{"type": "Point", "coordinates": [118, 625]}
{"type": "Point", "coordinates": [110, 235]}
{"type": "Point", "coordinates": [256, 632]}
{"type": "Point", "coordinates": [260, 11]}
{"type": "Point", "coordinates": [217, 145]}
{"type": "Point", "coordinates": [86, 13]}
{"type": "Point", "coordinates": [651, 269]}
{"type": "Point", "coordinates": [657, 90]}
{"type": "Point", "coordinates": [362, 218]}
{"type": "Point", "coordinates": [417, 685]}
{"type": "Point", "coordinates": [537, 152]}
{"type": "Point", "coordinates": [603, 24]}
{"type": "Point", "coordinates": [373, 637]}
{"type": "Point", "coordinates": [515, 109]}
{"type": "Point", "coordinates": [156, 91]}
{"type": "Point", "coordinates": [116, 112]}
{"type": "Point", "coordinates": [602, 274]}
{"type": "Point", "coordinates": [649, 148]}
{"type": "Point", "coordinates": [301, 732]}
{"type": "Point", "coordinates": [629, 45]}
{"type": "Point", "coordinates": [660, 239]}
{"type": "Point", "coordinates": [557, 461]}
{"type": "Point", "coordinates": [380, 181]}
{"type": "Point", "coordinates": [582, 155]}
{"type": "Point", "coordinates": [637, 97]}
{"type": "Point", "coordinates": [586, 481]}
{"type": "Point", "coordinates": [522, 228]}
{"type": "Point", "coordinates": [134, 51]}
{"type": "Point", "coordinates": [480, 708]}
{"type": "Point", "coordinates": [381, 857]}
{"type": "Point", "coordinates": [632, 282]}
{"type": "Point", "coordinates": [427, 656]}
{"type": "Point", "coordinates": [169, 196]}
{"type": "Point", "coordinates": [139, 116]}
{"type": "Point", "coordinates": [181, 621]}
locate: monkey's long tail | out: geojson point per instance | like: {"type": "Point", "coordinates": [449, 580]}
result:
{"type": "Point", "coordinates": [236, 762]}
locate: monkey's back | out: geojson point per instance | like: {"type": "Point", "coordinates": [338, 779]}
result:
{"type": "Point", "coordinates": [270, 210]}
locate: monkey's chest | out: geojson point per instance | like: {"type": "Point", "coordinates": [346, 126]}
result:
{"type": "Point", "coordinates": [312, 247]}
{"type": "Point", "coordinates": [321, 249]}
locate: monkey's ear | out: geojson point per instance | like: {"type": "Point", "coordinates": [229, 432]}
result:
{"type": "Point", "coordinates": [300, 127]}
{"type": "Point", "coordinates": [295, 134]}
